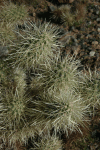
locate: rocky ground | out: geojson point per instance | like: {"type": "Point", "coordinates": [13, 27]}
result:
{"type": "Point", "coordinates": [81, 39]}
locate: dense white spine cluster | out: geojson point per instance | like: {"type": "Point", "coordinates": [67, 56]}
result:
{"type": "Point", "coordinates": [37, 45]}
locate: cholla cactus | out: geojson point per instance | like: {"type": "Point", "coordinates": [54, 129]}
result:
{"type": "Point", "coordinates": [61, 103]}
{"type": "Point", "coordinates": [65, 72]}
{"type": "Point", "coordinates": [15, 112]}
{"type": "Point", "coordinates": [65, 111]}
{"type": "Point", "coordinates": [13, 14]}
{"type": "Point", "coordinates": [37, 45]}
{"type": "Point", "coordinates": [13, 107]}
{"type": "Point", "coordinates": [60, 72]}
{"type": "Point", "coordinates": [51, 143]}
{"type": "Point", "coordinates": [72, 111]}
{"type": "Point", "coordinates": [57, 13]}
{"type": "Point", "coordinates": [14, 125]}
{"type": "Point", "coordinates": [68, 18]}
{"type": "Point", "coordinates": [22, 135]}
{"type": "Point", "coordinates": [6, 34]}
{"type": "Point", "coordinates": [64, 15]}
{"type": "Point", "coordinates": [90, 90]}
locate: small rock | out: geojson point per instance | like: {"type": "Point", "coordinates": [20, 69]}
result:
{"type": "Point", "coordinates": [98, 20]}
{"type": "Point", "coordinates": [95, 42]}
{"type": "Point", "coordinates": [89, 35]}
{"type": "Point", "coordinates": [92, 53]}
{"type": "Point", "coordinates": [88, 23]}
{"type": "Point", "coordinates": [98, 29]}
{"type": "Point", "coordinates": [97, 12]}
{"type": "Point", "coordinates": [52, 8]}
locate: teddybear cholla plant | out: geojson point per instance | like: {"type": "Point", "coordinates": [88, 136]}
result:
{"type": "Point", "coordinates": [64, 15]}
{"type": "Point", "coordinates": [12, 112]}
{"type": "Point", "coordinates": [37, 45]}
{"type": "Point", "coordinates": [59, 73]}
{"type": "Point", "coordinates": [11, 15]}
{"type": "Point", "coordinates": [6, 34]}
{"type": "Point", "coordinates": [90, 90]}
{"type": "Point", "coordinates": [14, 123]}
{"type": "Point", "coordinates": [61, 103]}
